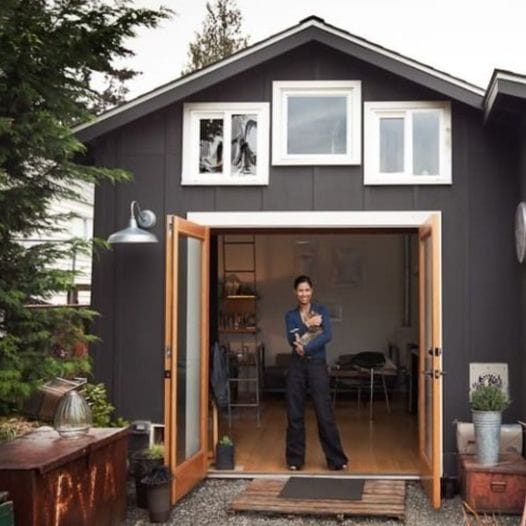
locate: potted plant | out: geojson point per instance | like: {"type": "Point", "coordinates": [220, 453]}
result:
{"type": "Point", "coordinates": [487, 401]}
{"type": "Point", "coordinates": [144, 462]}
{"type": "Point", "coordinates": [158, 493]}
{"type": "Point", "coordinates": [225, 453]}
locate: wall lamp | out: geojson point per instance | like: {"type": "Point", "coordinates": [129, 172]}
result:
{"type": "Point", "coordinates": [136, 233]}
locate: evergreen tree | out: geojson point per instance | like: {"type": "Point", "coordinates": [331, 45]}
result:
{"type": "Point", "coordinates": [49, 51]}
{"type": "Point", "coordinates": [221, 35]}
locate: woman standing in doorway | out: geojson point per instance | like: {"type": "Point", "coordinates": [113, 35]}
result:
{"type": "Point", "coordinates": [308, 331]}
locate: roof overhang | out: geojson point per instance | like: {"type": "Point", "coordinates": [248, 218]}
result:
{"type": "Point", "coordinates": [506, 94]}
{"type": "Point", "coordinates": [312, 29]}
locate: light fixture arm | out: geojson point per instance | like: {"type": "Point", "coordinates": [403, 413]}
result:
{"type": "Point", "coordinates": [145, 218]}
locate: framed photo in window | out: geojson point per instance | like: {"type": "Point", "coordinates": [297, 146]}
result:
{"type": "Point", "coordinates": [316, 122]}
{"type": "Point", "coordinates": [225, 143]}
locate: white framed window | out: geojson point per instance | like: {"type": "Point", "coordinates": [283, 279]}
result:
{"type": "Point", "coordinates": [225, 143]}
{"type": "Point", "coordinates": [407, 142]}
{"type": "Point", "coordinates": [316, 122]}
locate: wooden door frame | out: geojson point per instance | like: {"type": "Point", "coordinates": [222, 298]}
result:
{"type": "Point", "coordinates": [338, 220]}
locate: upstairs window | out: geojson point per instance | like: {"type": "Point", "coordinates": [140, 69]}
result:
{"type": "Point", "coordinates": [225, 143]}
{"type": "Point", "coordinates": [316, 122]}
{"type": "Point", "coordinates": [407, 143]}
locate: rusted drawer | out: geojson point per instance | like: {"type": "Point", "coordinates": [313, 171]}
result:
{"type": "Point", "coordinates": [494, 489]}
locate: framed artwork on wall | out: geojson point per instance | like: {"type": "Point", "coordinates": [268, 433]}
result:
{"type": "Point", "coordinates": [225, 143]}
{"type": "Point", "coordinates": [305, 259]}
{"type": "Point", "coordinates": [335, 310]}
{"type": "Point", "coordinates": [347, 267]}
{"type": "Point", "coordinates": [487, 373]}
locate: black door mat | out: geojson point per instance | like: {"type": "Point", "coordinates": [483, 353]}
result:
{"type": "Point", "coordinates": [322, 488]}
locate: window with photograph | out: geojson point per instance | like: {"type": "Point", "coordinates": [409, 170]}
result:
{"type": "Point", "coordinates": [225, 144]}
{"type": "Point", "coordinates": [316, 122]}
{"type": "Point", "coordinates": [407, 142]}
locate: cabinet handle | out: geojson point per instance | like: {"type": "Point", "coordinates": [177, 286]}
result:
{"type": "Point", "coordinates": [498, 486]}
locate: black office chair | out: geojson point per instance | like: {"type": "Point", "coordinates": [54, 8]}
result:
{"type": "Point", "coordinates": [372, 361]}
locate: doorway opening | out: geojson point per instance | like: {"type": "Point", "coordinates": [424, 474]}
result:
{"type": "Point", "coordinates": [189, 292]}
{"type": "Point", "coordinates": [368, 280]}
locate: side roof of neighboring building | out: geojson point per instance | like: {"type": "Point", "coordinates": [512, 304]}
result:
{"type": "Point", "coordinates": [308, 30]}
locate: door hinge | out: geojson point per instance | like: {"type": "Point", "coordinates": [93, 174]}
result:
{"type": "Point", "coordinates": [435, 351]}
{"type": "Point", "coordinates": [167, 351]}
{"type": "Point", "coordinates": [168, 374]}
{"type": "Point", "coordinates": [435, 373]}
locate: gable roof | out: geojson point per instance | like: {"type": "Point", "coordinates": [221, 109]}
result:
{"type": "Point", "coordinates": [308, 30]}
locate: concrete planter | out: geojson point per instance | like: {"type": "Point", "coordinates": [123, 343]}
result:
{"type": "Point", "coordinates": [487, 436]}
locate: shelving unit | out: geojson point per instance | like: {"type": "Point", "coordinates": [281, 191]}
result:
{"type": "Point", "coordinates": [238, 323]}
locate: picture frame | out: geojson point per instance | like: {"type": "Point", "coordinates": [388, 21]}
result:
{"type": "Point", "coordinates": [305, 259]}
{"type": "Point", "coordinates": [225, 143]}
{"type": "Point", "coordinates": [335, 310]}
{"type": "Point", "coordinates": [478, 370]}
{"type": "Point", "coordinates": [347, 267]}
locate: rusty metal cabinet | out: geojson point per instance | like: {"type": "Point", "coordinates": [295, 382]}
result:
{"type": "Point", "coordinates": [493, 489]}
{"type": "Point", "coordinates": [61, 482]}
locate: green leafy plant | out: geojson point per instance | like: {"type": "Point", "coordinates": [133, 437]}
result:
{"type": "Point", "coordinates": [488, 395]}
{"type": "Point", "coordinates": [154, 451]}
{"type": "Point", "coordinates": [225, 440]}
{"type": "Point", "coordinates": [101, 409]}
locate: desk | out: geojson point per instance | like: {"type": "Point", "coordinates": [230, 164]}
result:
{"type": "Point", "coordinates": [66, 482]}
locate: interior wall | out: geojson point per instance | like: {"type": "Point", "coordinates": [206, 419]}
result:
{"type": "Point", "coordinates": [358, 276]}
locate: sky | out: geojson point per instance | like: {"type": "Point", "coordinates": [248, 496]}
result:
{"type": "Point", "coordinates": [465, 38]}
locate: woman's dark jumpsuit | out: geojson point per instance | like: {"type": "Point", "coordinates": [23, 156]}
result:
{"type": "Point", "coordinates": [309, 373]}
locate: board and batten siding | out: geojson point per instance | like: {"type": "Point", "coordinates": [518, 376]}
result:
{"type": "Point", "coordinates": [481, 315]}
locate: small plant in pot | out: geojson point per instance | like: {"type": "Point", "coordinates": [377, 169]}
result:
{"type": "Point", "coordinates": [158, 484]}
{"type": "Point", "coordinates": [144, 462]}
{"type": "Point", "coordinates": [488, 399]}
{"type": "Point", "coordinates": [225, 453]}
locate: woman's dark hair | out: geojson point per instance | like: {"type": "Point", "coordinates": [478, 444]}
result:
{"type": "Point", "coordinates": [302, 279]}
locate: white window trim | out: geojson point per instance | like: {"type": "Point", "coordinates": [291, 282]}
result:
{"type": "Point", "coordinates": [193, 112]}
{"type": "Point", "coordinates": [373, 111]}
{"type": "Point", "coordinates": [351, 89]}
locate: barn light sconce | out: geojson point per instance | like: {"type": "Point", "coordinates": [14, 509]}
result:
{"type": "Point", "coordinates": [140, 220]}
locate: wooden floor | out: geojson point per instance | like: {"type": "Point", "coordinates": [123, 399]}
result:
{"type": "Point", "coordinates": [380, 498]}
{"type": "Point", "coordinates": [386, 445]}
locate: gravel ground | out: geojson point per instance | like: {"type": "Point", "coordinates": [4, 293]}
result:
{"type": "Point", "coordinates": [208, 505]}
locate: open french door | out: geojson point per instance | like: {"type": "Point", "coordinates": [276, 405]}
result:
{"type": "Point", "coordinates": [430, 359]}
{"type": "Point", "coordinates": [186, 353]}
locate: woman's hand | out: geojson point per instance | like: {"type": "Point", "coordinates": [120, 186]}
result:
{"type": "Point", "coordinates": [315, 321]}
{"type": "Point", "coordinates": [298, 347]}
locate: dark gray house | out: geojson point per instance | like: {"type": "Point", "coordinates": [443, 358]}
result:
{"type": "Point", "coordinates": [394, 183]}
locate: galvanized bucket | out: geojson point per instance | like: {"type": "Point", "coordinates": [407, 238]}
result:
{"type": "Point", "coordinates": [487, 436]}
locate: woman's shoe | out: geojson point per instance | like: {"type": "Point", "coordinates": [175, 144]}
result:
{"type": "Point", "coordinates": [294, 467]}
{"type": "Point", "coordinates": [338, 467]}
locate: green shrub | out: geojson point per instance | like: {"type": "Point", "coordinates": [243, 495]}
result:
{"type": "Point", "coordinates": [101, 410]}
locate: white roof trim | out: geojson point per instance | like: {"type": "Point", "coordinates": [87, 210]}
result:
{"type": "Point", "coordinates": [493, 89]}
{"type": "Point", "coordinates": [268, 42]}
